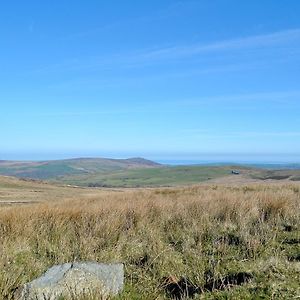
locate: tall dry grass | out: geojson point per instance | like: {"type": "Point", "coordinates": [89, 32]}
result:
{"type": "Point", "coordinates": [201, 233]}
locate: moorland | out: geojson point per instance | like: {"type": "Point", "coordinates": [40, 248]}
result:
{"type": "Point", "coordinates": [212, 240]}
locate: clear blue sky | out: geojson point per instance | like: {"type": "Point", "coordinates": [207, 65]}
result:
{"type": "Point", "coordinates": [159, 79]}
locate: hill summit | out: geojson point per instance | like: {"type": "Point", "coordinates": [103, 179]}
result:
{"type": "Point", "coordinates": [50, 169]}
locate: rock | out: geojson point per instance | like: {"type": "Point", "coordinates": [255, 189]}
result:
{"type": "Point", "coordinates": [71, 280]}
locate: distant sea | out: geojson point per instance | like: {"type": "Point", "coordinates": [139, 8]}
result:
{"type": "Point", "coordinates": [258, 163]}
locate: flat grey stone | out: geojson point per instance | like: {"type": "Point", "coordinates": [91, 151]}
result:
{"type": "Point", "coordinates": [76, 279]}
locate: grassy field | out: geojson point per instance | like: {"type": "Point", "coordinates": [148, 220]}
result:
{"type": "Point", "coordinates": [150, 177]}
{"type": "Point", "coordinates": [210, 241]}
{"type": "Point", "coordinates": [13, 190]}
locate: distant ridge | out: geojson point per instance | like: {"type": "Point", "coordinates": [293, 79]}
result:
{"type": "Point", "coordinates": [142, 161]}
{"type": "Point", "coordinates": [50, 169]}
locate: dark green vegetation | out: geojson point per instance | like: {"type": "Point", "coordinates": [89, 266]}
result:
{"type": "Point", "coordinates": [134, 172]}
{"type": "Point", "coordinates": [293, 175]}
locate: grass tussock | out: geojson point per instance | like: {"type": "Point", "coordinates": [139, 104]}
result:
{"type": "Point", "coordinates": [206, 236]}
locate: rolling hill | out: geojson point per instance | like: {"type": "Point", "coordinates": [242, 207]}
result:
{"type": "Point", "coordinates": [55, 169]}
{"type": "Point", "coordinates": [138, 172]}
{"type": "Point", "coordinates": [103, 172]}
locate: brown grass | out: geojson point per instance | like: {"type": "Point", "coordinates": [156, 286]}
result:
{"type": "Point", "coordinates": [202, 233]}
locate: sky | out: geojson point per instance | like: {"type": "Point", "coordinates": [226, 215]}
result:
{"type": "Point", "coordinates": [207, 79]}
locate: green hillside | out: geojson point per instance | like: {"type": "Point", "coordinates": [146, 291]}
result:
{"type": "Point", "coordinates": [80, 166]}
{"type": "Point", "coordinates": [143, 177]}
